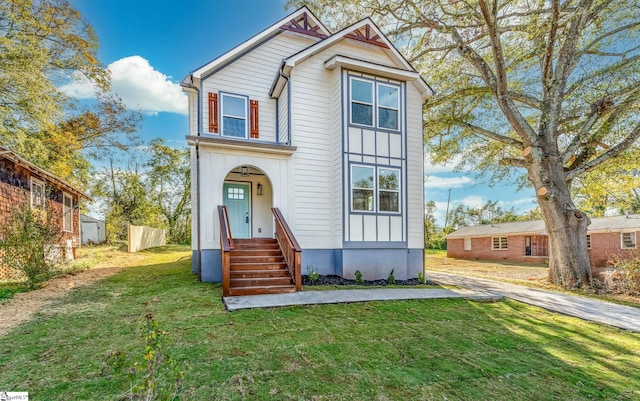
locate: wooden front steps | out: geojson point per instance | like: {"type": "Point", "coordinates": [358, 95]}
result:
{"type": "Point", "coordinates": [257, 266]}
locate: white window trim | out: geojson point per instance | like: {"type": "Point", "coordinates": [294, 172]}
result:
{"type": "Point", "coordinates": [376, 104]}
{"type": "Point", "coordinates": [389, 190]}
{"type": "Point", "coordinates": [64, 219]}
{"type": "Point", "coordinates": [245, 99]}
{"type": "Point", "coordinates": [467, 244]}
{"type": "Point", "coordinates": [635, 240]}
{"type": "Point", "coordinates": [379, 106]}
{"type": "Point", "coordinates": [373, 190]}
{"type": "Point", "coordinates": [588, 241]}
{"type": "Point", "coordinates": [500, 248]}
{"type": "Point", "coordinates": [37, 182]}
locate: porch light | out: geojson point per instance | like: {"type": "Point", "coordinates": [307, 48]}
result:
{"type": "Point", "coordinates": [259, 189]}
{"type": "Point", "coordinates": [245, 171]}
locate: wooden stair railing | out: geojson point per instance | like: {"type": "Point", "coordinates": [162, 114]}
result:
{"type": "Point", "coordinates": [226, 246]}
{"type": "Point", "coordinates": [289, 246]}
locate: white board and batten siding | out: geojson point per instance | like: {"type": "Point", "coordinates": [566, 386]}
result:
{"type": "Point", "coordinates": [218, 164]}
{"type": "Point", "coordinates": [252, 75]}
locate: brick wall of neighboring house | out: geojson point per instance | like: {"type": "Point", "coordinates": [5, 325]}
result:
{"type": "Point", "coordinates": [604, 245]}
{"type": "Point", "coordinates": [481, 249]}
{"type": "Point", "coordinates": [15, 187]}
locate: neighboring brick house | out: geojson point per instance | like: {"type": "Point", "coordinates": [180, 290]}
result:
{"type": "Point", "coordinates": [23, 182]}
{"type": "Point", "coordinates": [528, 241]}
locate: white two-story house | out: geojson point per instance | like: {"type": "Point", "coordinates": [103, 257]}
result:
{"type": "Point", "coordinates": [326, 129]}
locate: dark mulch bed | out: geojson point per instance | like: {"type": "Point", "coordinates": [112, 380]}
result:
{"type": "Point", "coordinates": [337, 280]}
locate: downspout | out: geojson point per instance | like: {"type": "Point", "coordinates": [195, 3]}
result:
{"type": "Point", "coordinates": [286, 78]}
{"type": "Point", "coordinates": [187, 82]}
{"type": "Point", "coordinates": [199, 263]}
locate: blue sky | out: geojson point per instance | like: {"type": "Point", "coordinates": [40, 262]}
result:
{"type": "Point", "coordinates": [149, 46]}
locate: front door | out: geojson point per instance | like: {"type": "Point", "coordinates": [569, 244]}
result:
{"type": "Point", "coordinates": [236, 199]}
{"type": "Point", "coordinates": [527, 246]}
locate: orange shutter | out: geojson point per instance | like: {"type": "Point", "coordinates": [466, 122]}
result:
{"type": "Point", "coordinates": [253, 112]}
{"type": "Point", "coordinates": [213, 112]}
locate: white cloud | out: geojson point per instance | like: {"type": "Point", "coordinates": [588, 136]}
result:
{"type": "Point", "coordinates": [138, 84]}
{"type": "Point", "coordinates": [472, 201]}
{"type": "Point", "coordinates": [434, 181]}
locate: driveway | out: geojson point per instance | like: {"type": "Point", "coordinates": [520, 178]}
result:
{"type": "Point", "coordinates": [624, 317]}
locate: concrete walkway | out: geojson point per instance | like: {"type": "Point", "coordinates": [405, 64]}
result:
{"type": "Point", "coordinates": [347, 296]}
{"type": "Point", "coordinates": [624, 317]}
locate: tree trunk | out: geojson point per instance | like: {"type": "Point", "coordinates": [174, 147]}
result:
{"type": "Point", "coordinates": [566, 226]}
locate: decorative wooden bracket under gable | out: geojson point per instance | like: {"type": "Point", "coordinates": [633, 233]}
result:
{"type": "Point", "coordinates": [366, 36]}
{"type": "Point", "coordinates": [303, 25]}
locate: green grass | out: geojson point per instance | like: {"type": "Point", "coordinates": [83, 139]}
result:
{"type": "Point", "coordinates": [405, 350]}
{"type": "Point", "coordinates": [436, 252]}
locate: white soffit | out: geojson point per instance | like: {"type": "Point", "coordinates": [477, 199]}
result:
{"type": "Point", "coordinates": [382, 70]}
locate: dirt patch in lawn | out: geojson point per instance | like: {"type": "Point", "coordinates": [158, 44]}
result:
{"type": "Point", "coordinates": [24, 305]}
{"type": "Point", "coordinates": [488, 269]}
{"type": "Point", "coordinates": [105, 260]}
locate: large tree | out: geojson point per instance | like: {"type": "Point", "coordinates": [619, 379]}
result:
{"type": "Point", "coordinates": [170, 182]}
{"type": "Point", "coordinates": [43, 44]}
{"type": "Point", "coordinates": [549, 87]}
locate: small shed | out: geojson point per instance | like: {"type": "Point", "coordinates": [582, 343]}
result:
{"type": "Point", "coordinates": [92, 230]}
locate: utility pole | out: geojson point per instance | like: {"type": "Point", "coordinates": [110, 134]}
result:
{"type": "Point", "coordinates": [446, 216]}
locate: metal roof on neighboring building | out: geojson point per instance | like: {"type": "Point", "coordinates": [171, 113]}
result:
{"type": "Point", "coordinates": [598, 224]}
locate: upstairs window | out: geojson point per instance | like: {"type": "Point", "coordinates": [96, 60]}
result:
{"type": "Point", "coordinates": [362, 102]}
{"type": "Point", "coordinates": [234, 116]}
{"type": "Point", "coordinates": [388, 106]}
{"type": "Point", "coordinates": [628, 240]}
{"type": "Point", "coordinates": [499, 243]}
{"type": "Point", "coordinates": [37, 194]}
{"type": "Point", "coordinates": [375, 104]}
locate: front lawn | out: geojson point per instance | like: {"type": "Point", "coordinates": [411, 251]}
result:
{"type": "Point", "coordinates": [405, 350]}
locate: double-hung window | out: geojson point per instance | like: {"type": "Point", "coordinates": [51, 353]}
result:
{"type": "Point", "coordinates": [388, 107]}
{"type": "Point", "coordinates": [388, 190]}
{"type": "Point", "coordinates": [362, 102]}
{"type": "Point", "coordinates": [628, 240]}
{"type": "Point", "coordinates": [375, 104]}
{"type": "Point", "coordinates": [67, 212]}
{"type": "Point", "coordinates": [362, 188]}
{"type": "Point", "coordinates": [366, 196]}
{"type": "Point", "coordinates": [37, 194]}
{"type": "Point", "coordinates": [234, 115]}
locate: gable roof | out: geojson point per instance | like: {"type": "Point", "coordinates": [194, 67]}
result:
{"type": "Point", "coordinates": [17, 159]}
{"type": "Point", "coordinates": [536, 227]}
{"type": "Point", "coordinates": [302, 21]}
{"type": "Point", "coordinates": [365, 31]}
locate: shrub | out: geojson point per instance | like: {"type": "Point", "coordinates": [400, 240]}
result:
{"type": "Point", "coordinates": [359, 279]}
{"type": "Point", "coordinates": [31, 238]}
{"type": "Point", "coordinates": [628, 265]}
{"type": "Point", "coordinates": [421, 278]}
{"type": "Point", "coordinates": [313, 275]}
{"type": "Point", "coordinates": [391, 279]}
{"type": "Point", "coordinates": [152, 375]}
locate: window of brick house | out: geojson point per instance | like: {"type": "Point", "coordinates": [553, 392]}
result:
{"type": "Point", "coordinates": [499, 243]}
